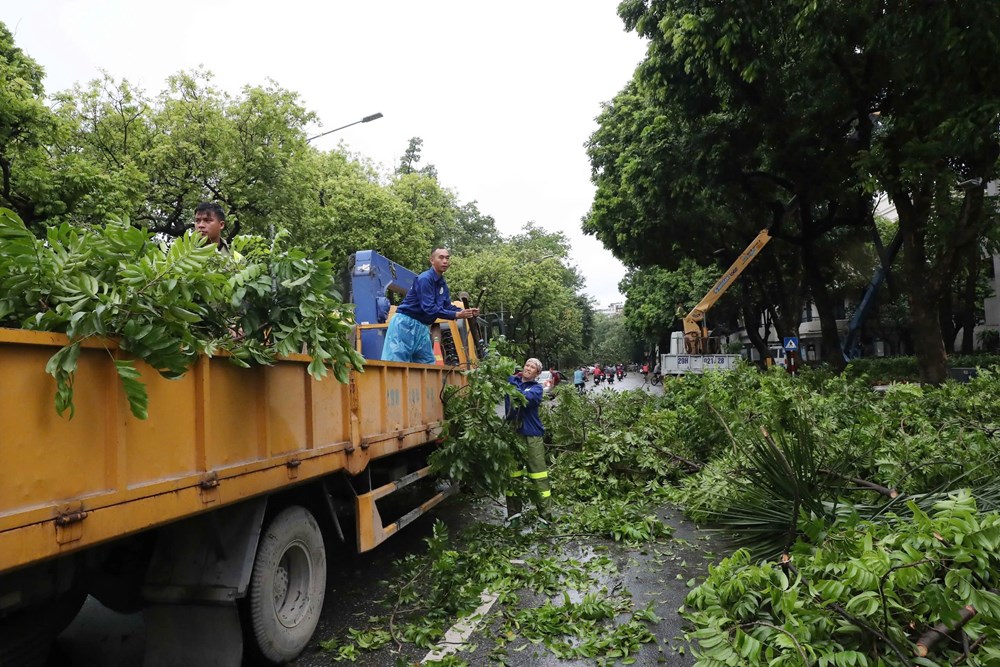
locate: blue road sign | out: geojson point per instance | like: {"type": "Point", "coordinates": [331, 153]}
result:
{"type": "Point", "coordinates": [791, 344]}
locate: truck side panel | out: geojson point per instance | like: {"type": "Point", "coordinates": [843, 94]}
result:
{"type": "Point", "coordinates": [216, 436]}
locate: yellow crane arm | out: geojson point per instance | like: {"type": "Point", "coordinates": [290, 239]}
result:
{"type": "Point", "coordinates": [693, 321]}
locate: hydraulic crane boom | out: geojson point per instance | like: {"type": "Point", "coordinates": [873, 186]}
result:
{"type": "Point", "coordinates": [695, 331]}
{"type": "Point", "coordinates": [852, 347]}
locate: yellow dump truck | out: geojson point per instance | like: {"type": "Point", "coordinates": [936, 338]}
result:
{"type": "Point", "coordinates": [210, 515]}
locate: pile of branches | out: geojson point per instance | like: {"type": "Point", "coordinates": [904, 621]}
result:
{"type": "Point", "coordinates": [166, 305]}
{"type": "Point", "coordinates": [862, 523]}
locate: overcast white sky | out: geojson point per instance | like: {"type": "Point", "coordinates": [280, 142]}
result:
{"type": "Point", "coordinates": [504, 95]}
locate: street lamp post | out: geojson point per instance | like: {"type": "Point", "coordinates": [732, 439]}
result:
{"type": "Point", "coordinates": [366, 119]}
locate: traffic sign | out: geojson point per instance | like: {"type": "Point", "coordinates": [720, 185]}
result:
{"type": "Point", "coordinates": [791, 344]}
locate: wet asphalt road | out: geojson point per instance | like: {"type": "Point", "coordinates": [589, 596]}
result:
{"type": "Point", "coordinates": [631, 381]}
{"type": "Point", "coordinates": [658, 573]}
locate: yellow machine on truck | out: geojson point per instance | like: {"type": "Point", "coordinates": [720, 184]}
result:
{"type": "Point", "coordinates": [699, 357]}
{"type": "Point", "coordinates": [211, 515]}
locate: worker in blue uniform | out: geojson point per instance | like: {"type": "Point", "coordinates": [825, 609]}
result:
{"type": "Point", "coordinates": [530, 434]}
{"type": "Point", "coordinates": [408, 337]}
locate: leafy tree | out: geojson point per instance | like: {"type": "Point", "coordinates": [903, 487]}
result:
{"type": "Point", "coordinates": [159, 157]}
{"type": "Point", "coordinates": [408, 163]}
{"type": "Point", "coordinates": [429, 205]}
{"type": "Point", "coordinates": [40, 176]}
{"type": "Point", "coordinates": [527, 285]}
{"type": "Point", "coordinates": [612, 342]}
{"type": "Point", "coordinates": [708, 151]}
{"type": "Point", "coordinates": [243, 152]}
{"type": "Point", "coordinates": [110, 150]}
{"type": "Point", "coordinates": [585, 306]}
{"type": "Point", "coordinates": [655, 203]}
{"type": "Point", "coordinates": [354, 212]}
{"type": "Point", "coordinates": [459, 227]}
{"type": "Point", "coordinates": [656, 300]}
{"type": "Point", "coordinates": [113, 129]}
{"type": "Point", "coordinates": [938, 128]}
{"type": "Point", "coordinates": [474, 229]}
{"type": "Point", "coordinates": [803, 111]}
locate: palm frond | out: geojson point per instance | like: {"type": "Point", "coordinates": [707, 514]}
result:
{"type": "Point", "coordinates": [785, 479]}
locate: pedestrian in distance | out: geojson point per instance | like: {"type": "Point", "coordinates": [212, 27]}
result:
{"type": "Point", "coordinates": [408, 337]}
{"type": "Point", "coordinates": [531, 447]}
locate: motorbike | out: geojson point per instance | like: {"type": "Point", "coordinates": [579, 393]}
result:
{"type": "Point", "coordinates": [621, 374]}
{"type": "Point", "coordinates": [597, 379]}
{"type": "Point", "coordinates": [611, 378]}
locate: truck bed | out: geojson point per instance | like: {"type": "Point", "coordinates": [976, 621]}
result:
{"type": "Point", "coordinates": [218, 435]}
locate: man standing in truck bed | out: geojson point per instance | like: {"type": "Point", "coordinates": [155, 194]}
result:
{"type": "Point", "coordinates": [209, 221]}
{"type": "Point", "coordinates": [408, 337]}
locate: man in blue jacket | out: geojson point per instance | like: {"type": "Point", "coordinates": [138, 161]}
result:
{"type": "Point", "coordinates": [408, 336]}
{"type": "Point", "coordinates": [530, 431]}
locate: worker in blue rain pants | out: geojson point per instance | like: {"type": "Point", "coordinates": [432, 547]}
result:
{"type": "Point", "coordinates": [408, 337]}
{"type": "Point", "coordinates": [531, 451]}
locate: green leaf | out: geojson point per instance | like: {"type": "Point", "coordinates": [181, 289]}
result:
{"type": "Point", "coordinates": [135, 390]}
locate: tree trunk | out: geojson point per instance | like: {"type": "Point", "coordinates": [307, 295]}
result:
{"type": "Point", "coordinates": [969, 312]}
{"type": "Point", "coordinates": [751, 322]}
{"type": "Point", "coordinates": [946, 316]}
{"type": "Point", "coordinates": [817, 284]}
{"type": "Point", "coordinates": [784, 304]}
{"type": "Point", "coordinates": [967, 254]}
{"type": "Point", "coordinates": [922, 287]}
{"type": "Point", "coordinates": [926, 333]}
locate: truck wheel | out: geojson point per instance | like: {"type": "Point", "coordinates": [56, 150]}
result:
{"type": "Point", "coordinates": [287, 586]}
{"type": "Point", "coordinates": [26, 636]}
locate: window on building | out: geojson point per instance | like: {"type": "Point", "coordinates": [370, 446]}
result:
{"type": "Point", "coordinates": [807, 311]}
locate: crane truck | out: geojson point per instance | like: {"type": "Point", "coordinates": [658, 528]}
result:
{"type": "Point", "coordinates": [212, 516]}
{"type": "Point", "coordinates": [697, 357]}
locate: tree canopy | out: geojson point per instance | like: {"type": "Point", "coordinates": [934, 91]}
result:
{"type": "Point", "coordinates": [107, 150]}
{"type": "Point", "coordinates": [527, 284]}
{"type": "Point", "coordinates": [790, 115]}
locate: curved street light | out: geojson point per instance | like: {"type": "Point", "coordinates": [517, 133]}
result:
{"type": "Point", "coordinates": [366, 119]}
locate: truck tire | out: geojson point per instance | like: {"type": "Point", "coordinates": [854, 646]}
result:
{"type": "Point", "coordinates": [26, 636]}
{"type": "Point", "coordinates": [287, 586]}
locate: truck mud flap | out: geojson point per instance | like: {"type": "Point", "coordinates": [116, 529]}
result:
{"type": "Point", "coordinates": [371, 531]}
